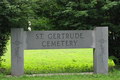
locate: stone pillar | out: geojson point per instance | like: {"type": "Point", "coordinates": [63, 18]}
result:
{"type": "Point", "coordinates": [100, 55]}
{"type": "Point", "coordinates": [17, 52]}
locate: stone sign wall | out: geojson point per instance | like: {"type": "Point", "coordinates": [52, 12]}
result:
{"type": "Point", "coordinates": [97, 39]}
{"type": "Point", "coordinates": [59, 39]}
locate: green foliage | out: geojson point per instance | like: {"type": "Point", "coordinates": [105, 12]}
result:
{"type": "Point", "coordinates": [41, 23]}
{"type": "Point", "coordinates": [115, 75]}
{"type": "Point", "coordinates": [13, 14]}
{"type": "Point", "coordinates": [71, 14]}
{"type": "Point", "coordinates": [38, 20]}
{"type": "Point", "coordinates": [3, 34]}
{"type": "Point", "coordinates": [112, 19]}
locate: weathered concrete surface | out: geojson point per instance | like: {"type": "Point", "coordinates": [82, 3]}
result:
{"type": "Point", "coordinates": [100, 55]}
{"type": "Point", "coordinates": [17, 50]}
{"type": "Point", "coordinates": [60, 39]}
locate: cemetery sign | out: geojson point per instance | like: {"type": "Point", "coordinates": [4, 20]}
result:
{"type": "Point", "coordinates": [22, 40]}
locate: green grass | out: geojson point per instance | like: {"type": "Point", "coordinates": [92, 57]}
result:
{"type": "Point", "coordinates": [54, 61]}
{"type": "Point", "coordinates": [113, 75]}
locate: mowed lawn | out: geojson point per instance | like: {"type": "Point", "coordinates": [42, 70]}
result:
{"type": "Point", "coordinates": [54, 60]}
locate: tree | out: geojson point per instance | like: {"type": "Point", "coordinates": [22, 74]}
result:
{"type": "Point", "coordinates": [38, 20]}
{"type": "Point", "coordinates": [13, 14]}
{"type": "Point", "coordinates": [71, 14]}
{"type": "Point", "coordinates": [112, 19]}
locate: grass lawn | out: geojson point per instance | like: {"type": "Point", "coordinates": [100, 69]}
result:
{"type": "Point", "coordinates": [113, 75]}
{"type": "Point", "coordinates": [54, 61]}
